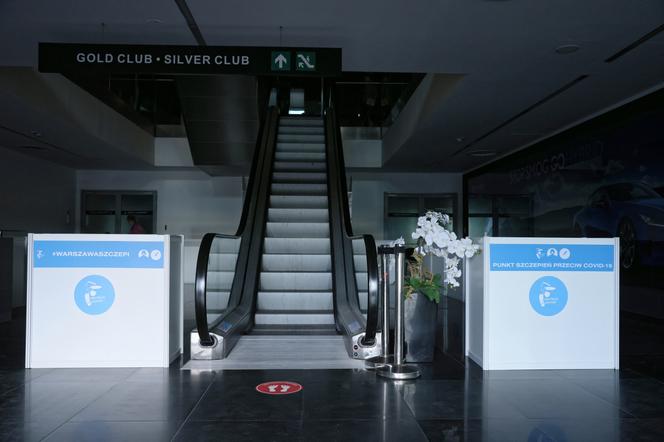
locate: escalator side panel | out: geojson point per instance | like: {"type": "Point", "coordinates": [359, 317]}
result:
{"type": "Point", "coordinates": [237, 319]}
{"type": "Point", "coordinates": [348, 317]}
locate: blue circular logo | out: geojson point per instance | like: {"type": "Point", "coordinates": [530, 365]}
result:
{"type": "Point", "coordinates": [548, 296]}
{"type": "Point", "coordinates": [94, 295]}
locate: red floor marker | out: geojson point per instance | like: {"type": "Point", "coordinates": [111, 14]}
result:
{"type": "Point", "coordinates": [278, 387]}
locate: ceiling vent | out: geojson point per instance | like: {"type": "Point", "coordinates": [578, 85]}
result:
{"type": "Point", "coordinates": [482, 153]}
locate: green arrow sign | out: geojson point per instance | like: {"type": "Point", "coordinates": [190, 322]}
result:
{"type": "Point", "coordinates": [305, 61]}
{"type": "Point", "coordinates": [281, 61]}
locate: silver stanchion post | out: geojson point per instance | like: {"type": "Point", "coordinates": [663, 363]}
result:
{"type": "Point", "coordinates": [386, 309]}
{"type": "Point", "coordinates": [397, 369]}
{"type": "Point", "coordinates": [383, 286]}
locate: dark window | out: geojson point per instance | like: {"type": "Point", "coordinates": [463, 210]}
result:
{"type": "Point", "coordinates": [630, 192]}
{"type": "Point", "coordinates": [107, 211]}
{"type": "Point", "coordinates": [402, 211]}
{"type": "Point", "coordinates": [500, 215]}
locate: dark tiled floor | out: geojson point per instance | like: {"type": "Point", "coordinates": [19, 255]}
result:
{"type": "Point", "coordinates": [450, 402]}
{"type": "Point", "coordinates": [335, 405]}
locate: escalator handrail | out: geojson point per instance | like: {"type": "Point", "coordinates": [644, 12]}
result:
{"type": "Point", "coordinates": [369, 242]}
{"type": "Point", "coordinates": [372, 289]}
{"type": "Point", "coordinates": [200, 287]}
{"type": "Point", "coordinates": [203, 260]}
{"type": "Point", "coordinates": [258, 153]}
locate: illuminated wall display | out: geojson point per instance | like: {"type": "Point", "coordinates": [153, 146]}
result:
{"type": "Point", "coordinates": [601, 179]}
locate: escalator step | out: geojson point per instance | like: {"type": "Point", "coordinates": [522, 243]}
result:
{"type": "Point", "coordinates": [299, 166]}
{"type": "Point", "coordinates": [298, 189]}
{"type": "Point", "coordinates": [298, 300]}
{"type": "Point", "coordinates": [295, 281]}
{"type": "Point", "coordinates": [276, 329]}
{"type": "Point", "coordinates": [308, 130]}
{"type": "Point", "coordinates": [308, 318]}
{"type": "Point", "coordinates": [300, 138]}
{"type": "Point", "coordinates": [298, 202]}
{"type": "Point", "coordinates": [299, 121]}
{"type": "Point", "coordinates": [299, 177]}
{"type": "Point", "coordinates": [307, 246]}
{"type": "Point", "coordinates": [301, 147]}
{"type": "Point", "coordinates": [296, 263]}
{"type": "Point", "coordinates": [299, 156]}
{"type": "Point", "coordinates": [298, 230]}
{"type": "Point", "coordinates": [297, 215]}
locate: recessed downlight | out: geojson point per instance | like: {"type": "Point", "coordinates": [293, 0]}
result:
{"type": "Point", "coordinates": [482, 153]}
{"type": "Point", "coordinates": [567, 49]}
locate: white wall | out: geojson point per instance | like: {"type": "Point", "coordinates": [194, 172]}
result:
{"type": "Point", "coordinates": [172, 152]}
{"type": "Point", "coordinates": [189, 202]}
{"type": "Point", "coordinates": [192, 203]}
{"type": "Point", "coordinates": [369, 188]}
{"type": "Point", "coordinates": [363, 153]}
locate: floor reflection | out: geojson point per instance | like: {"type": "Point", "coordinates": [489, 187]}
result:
{"type": "Point", "coordinates": [452, 401]}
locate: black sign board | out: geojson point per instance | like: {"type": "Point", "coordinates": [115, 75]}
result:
{"type": "Point", "coordinates": [74, 58]}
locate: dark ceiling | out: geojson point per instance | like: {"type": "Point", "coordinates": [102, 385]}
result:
{"type": "Point", "coordinates": [518, 81]}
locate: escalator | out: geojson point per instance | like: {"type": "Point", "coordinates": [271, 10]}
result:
{"type": "Point", "coordinates": [293, 271]}
{"type": "Point", "coordinates": [295, 288]}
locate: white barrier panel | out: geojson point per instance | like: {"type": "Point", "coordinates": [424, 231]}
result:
{"type": "Point", "coordinates": [544, 303]}
{"type": "Point", "coordinates": [98, 301]}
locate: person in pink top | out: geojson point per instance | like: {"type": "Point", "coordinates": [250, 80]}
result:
{"type": "Point", "coordinates": [134, 226]}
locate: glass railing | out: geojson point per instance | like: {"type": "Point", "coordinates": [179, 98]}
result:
{"type": "Point", "coordinates": [361, 277]}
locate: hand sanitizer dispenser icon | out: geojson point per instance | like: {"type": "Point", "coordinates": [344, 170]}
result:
{"type": "Point", "coordinates": [91, 292]}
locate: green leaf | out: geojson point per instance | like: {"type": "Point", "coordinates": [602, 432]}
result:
{"type": "Point", "coordinates": [432, 293]}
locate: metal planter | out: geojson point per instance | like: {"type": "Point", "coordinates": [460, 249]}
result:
{"type": "Point", "coordinates": [420, 317]}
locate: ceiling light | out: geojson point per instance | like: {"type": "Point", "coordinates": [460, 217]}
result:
{"type": "Point", "coordinates": [460, 139]}
{"type": "Point", "coordinates": [567, 49]}
{"type": "Point", "coordinates": [295, 111]}
{"type": "Point", "coordinates": [36, 133]}
{"type": "Point", "coordinates": [481, 153]}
